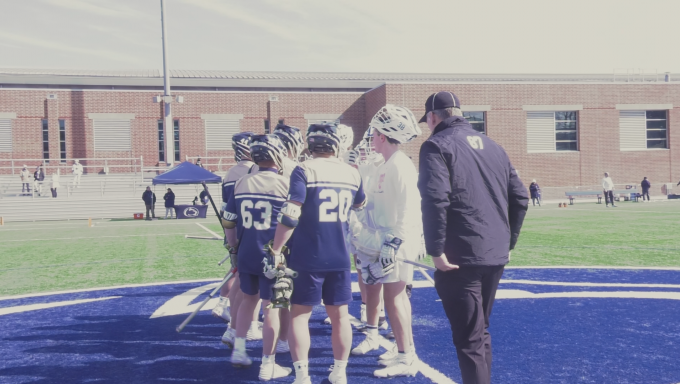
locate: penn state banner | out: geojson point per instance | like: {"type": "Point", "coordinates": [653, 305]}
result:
{"type": "Point", "coordinates": [191, 211]}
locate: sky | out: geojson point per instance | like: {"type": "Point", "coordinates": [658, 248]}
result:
{"type": "Point", "coordinates": [411, 36]}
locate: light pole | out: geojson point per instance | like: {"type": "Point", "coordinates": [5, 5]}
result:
{"type": "Point", "coordinates": [168, 125]}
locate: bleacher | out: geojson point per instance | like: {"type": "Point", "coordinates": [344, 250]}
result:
{"type": "Point", "coordinates": [98, 196]}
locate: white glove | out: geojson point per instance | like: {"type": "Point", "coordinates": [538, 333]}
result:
{"type": "Point", "coordinates": [388, 253]}
{"type": "Point", "coordinates": [372, 273]}
{"type": "Point", "coordinates": [353, 157]}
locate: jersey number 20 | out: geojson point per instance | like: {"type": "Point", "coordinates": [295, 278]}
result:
{"type": "Point", "coordinates": [327, 213]}
{"type": "Point", "coordinates": [264, 206]}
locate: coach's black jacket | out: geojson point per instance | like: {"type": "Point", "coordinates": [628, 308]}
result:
{"type": "Point", "coordinates": [473, 202]}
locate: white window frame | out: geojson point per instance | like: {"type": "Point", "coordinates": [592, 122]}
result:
{"type": "Point", "coordinates": [214, 120]}
{"type": "Point", "coordinates": [7, 146]}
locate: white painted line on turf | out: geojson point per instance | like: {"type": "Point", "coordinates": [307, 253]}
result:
{"type": "Point", "coordinates": [106, 288]}
{"type": "Point", "coordinates": [570, 284]}
{"type": "Point", "coordinates": [35, 307]}
{"type": "Point", "coordinates": [434, 375]}
{"type": "Point", "coordinates": [610, 210]}
{"type": "Point", "coordinates": [209, 231]}
{"type": "Point", "coordinates": [595, 267]}
{"type": "Point", "coordinates": [98, 237]}
{"type": "Point", "coordinates": [97, 224]}
{"type": "Point", "coordinates": [520, 294]}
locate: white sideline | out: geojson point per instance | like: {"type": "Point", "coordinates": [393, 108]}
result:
{"type": "Point", "coordinates": [98, 237]}
{"type": "Point", "coordinates": [35, 307]}
{"type": "Point", "coordinates": [434, 375]}
{"type": "Point", "coordinates": [566, 284]}
{"type": "Point", "coordinates": [106, 288]}
{"type": "Point", "coordinates": [595, 267]}
{"type": "Point", "coordinates": [209, 231]}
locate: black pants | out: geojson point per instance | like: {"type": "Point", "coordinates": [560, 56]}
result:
{"type": "Point", "coordinates": [609, 197]}
{"type": "Point", "coordinates": [54, 192]}
{"type": "Point", "coordinates": [645, 193]}
{"type": "Point", "coordinates": [467, 295]}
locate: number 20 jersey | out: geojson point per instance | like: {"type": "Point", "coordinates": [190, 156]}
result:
{"type": "Point", "coordinates": [327, 188]}
{"type": "Point", "coordinates": [256, 200]}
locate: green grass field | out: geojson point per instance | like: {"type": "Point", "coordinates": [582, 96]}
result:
{"type": "Point", "coordinates": [54, 256]}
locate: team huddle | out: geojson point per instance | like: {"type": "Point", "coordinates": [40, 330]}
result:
{"type": "Point", "coordinates": [292, 229]}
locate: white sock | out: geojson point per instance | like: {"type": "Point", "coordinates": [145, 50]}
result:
{"type": "Point", "coordinates": [301, 369]}
{"type": "Point", "coordinates": [339, 365]}
{"type": "Point", "coordinates": [372, 331]}
{"type": "Point", "coordinates": [254, 324]}
{"type": "Point", "coordinates": [240, 344]}
{"type": "Point", "coordinates": [268, 359]}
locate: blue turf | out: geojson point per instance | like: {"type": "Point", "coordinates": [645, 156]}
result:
{"type": "Point", "coordinates": [564, 340]}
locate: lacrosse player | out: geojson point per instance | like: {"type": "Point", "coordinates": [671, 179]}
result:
{"type": "Point", "coordinates": [395, 222]}
{"type": "Point", "coordinates": [250, 222]}
{"type": "Point", "coordinates": [240, 143]}
{"type": "Point", "coordinates": [322, 191]}
{"type": "Point", "coordinates": [292, 140]}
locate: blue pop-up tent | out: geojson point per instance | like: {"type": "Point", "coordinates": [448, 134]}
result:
{"type": "Point", "coordinates": [187, 173]}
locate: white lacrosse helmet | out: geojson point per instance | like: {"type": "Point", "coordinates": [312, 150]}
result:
{"type": "Point", "coordinates": [346, 134]}
{"type": "Point", "coordinates": [397, 123]}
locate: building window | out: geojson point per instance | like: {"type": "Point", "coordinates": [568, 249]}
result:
{"type": "Point", "coordinates": [642, 130]}
{"type": "Point", "coordinates": [266, 126]}
{"type": "Point", "coordinates": [476, 119]}
{"type": "Point", "coordinates": [656, 129]}
{"type": "Point", "coordinates": [220, 129]}
{"type": "Point", "coordinates": [62, 140]}
{"type": "Point", "coordinates": [176, 136]}
{"type": "Point", "coordinates": [566, 136]}
{"type": "Point", "coordinates": [112, 135]}
{"type": "Point", "coordinates": [161, 142]}
{"type": "Point", "coordinates": [5, 135]}
{"type": "Point", "coordinates": [549, 131]}
{"type": "Point", "coordinates": [45, 140]}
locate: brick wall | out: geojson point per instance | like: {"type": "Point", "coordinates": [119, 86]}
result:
{"type": "Point", "coordinates": [506, 123]}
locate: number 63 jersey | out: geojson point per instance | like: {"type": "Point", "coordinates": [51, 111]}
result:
{"type": "Point", "coordinates": [256, 201]}
{"type": "Point", "coordinates": [327, 188]}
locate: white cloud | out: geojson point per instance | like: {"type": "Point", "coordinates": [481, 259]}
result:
{"type": "Point", "coordinates": [57, 46]}
{"type": "Point", "coordinates": [105, 8]}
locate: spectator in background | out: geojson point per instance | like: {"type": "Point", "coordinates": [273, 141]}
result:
{"type": "Point", "coordinates": [195, 202]}
{"type": "Point", "coordinates": [535, 191]}
{"type": "Point", "coordinates": [198, 162]}
{"type": "Point", "coordinates": [150, 201]}
{"type": "Point", "coordinates": [169, 203]}
{"type": "Point", "coordinates": [25, 180]}
{"type": "Point", "coordinates": [55, 183]}
{"type": "Point", "coordinates": [608, 187]}
{"type": "Point", "coordinates": [645, 184]}
{"type": "Point", "coordinates": [77, 170]}
{"type": "Point", "coordinates": [38, 178]}
{"type": "Point", "coordinates": [204, 197]}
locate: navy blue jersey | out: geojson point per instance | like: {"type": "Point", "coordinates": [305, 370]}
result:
{"type": "Point", "coordinates": [327, 188]}
{"type": "Point", "coordinates": [257, 199]}
{"type": "Point", "coordinates": [233, 175]}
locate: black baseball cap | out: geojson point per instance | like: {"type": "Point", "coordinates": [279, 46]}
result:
{"type": "Point", "coordinates": [440, 100]}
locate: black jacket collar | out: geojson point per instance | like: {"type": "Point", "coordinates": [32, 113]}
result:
{"type": "Point", "coordinates": [447, 123]}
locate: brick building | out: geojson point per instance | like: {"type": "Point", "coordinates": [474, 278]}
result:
{"type": "Point", "coordinates": [564, 130]}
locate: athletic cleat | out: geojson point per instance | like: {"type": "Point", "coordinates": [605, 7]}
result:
{"type": "Point", "coordinates": [222, 310]}
{"type": "Point", "coordinates": [255, 331]}
{"type": "Point", "coordinates": [273, 371]}
{"type": "Point", "coordinates": [327, 321]}
{"type": "Point", "coordinates": [406, 365]}
{"type": "Point", "coordinates": [304, 380]}
{"type": "Point", "coordinates": [282, 346]}
{"type": "Point", "coordinates": [382, 324]}
{"type": "Point", "coordinates": [367, 345]}
{"type": "Point", "coordinates": [390, 335]}
{"type": "Point", "coordinates": [337, 377]}
{"type": "Point", "coordinates": [390, 354]}
{"type": "Point", "coordinates": [240, 359]}
{"type": "Point", "coordinates": [228, 337]}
